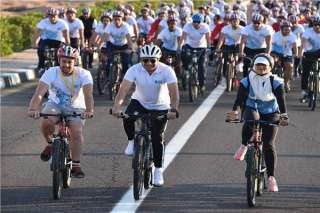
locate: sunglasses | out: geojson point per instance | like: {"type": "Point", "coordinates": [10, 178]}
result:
{"type": "Point", "coordinates": [196, 22]}
{"type": "Point", "coordinates": [256, 23]}
{"type": "Point", "coordinates": [146, 60]}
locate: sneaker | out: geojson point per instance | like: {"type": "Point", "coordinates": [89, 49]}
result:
{"type": "Point", "coordinates": [130, 148]}
{"type": "Point", "coordinates": [158, 177]}
{"type": "Point", "coordinates": [76, 172]}
{"type": "Point", "coordinates": [272, 187]}
{"type": "Point", "coordinates": [46, 153]}
{"type": "Point", "coordinates": [240, 153]}
{"type": "Point", "coordinates": [304, 96]}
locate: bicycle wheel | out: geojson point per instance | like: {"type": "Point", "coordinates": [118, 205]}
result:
{"type": "Point", "coordinates": [315, 92]}
{"type": "Point", "coordinates": [148, 167]}
{"type": "Point", "coordinates": [138, 166]}
{"type": "Point", "coordinates": [67, 167]}
{"type": "Point", "coordinates": [102, 80]}
{"type": "Point", "coordinates": [251, 175]}
{"type": "Point", "coordinates": [192, 84]}
{"type": "Point", "coordinates": [218, 71]}
{"type": "Point", "coordinates": [262, 177]}
{"type": "Point", "coordinates": [229, 77]}
{"type": "Point", "coordinates": [114, 82]}
{"type": "Point", "coordinates": [310, 90]}
{"type": "Point", "coordinates": [57, 176]}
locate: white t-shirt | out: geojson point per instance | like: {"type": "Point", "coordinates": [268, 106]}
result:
{"type": "Point", "coordinates": [101, 29]}
{"type": "Point", "coordinates": [152, 90]}
{"type": "Point", "coordinates": [74, 28]}
{"type": "Point", "coordinates": [52, 31]}
{"type": "Point", "coordinates": [131, 22]}
{"type": "Point", "coordinates": [232, 37]}
{"type": "Point", "coordinates": [196, 38]}
{"type": "Point", "coordinates": [256, 39]}
{"type": "Point", "coordinates": [298, 31]}
{"type": "Point", "coordinates": [283, 44]}
{"type": "Point", "coordinates": [117, 35]}
{"type": "Point", "coordinates": [60, 91]}
{"type": "Point", "coordinates": [313, 39]}
{"type": "Point", "coordinates": [170, 39]}
{"type": "Point", "coordinates": [145, 25]}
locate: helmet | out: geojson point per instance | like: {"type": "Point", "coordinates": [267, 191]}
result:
{"type": "Point", "coordinates": [257, 18]}
{"type": "Point", "coordinates": [197, 17]}
{"type": "Point", "coordinates": [68, 51]}
{"type": "Point", "coordinates": [117, 13]}
{"type": "Point", "coordinates": [171, 19]}
{"type": "Point", "coordinates": [236, 7]}
{"type": "Point", "coordinates": [61, 11]}
{"type": "Point", "coordinates": [52, 11]}
{"type": "Point", "coordinates": [262, 56]}
{"type": "Point", "coordinates": [265, 12]}
{"type": "Point", "coordinates": [184, 12]}
{"type": "Point", "coordinates": [150, 51]}
{"type": "Point", "coordinates": [293, 18]}
{"type": "Point", "coordinates": [285, 24]}
{"type": "Point", "coordinates": [86, 10]}
{"type": "Point", "coordinates": [234, 16]}
{"type": "Point", "coordinates": [106, 14]}
{"type": "Point", "coordinates": [71, 10]}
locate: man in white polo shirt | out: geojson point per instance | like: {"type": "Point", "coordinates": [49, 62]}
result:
{"type": "Point", "coordinates": [156, 91]}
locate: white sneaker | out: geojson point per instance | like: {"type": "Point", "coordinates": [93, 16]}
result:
{"type": "Point", "coordinates": [130, 148]}
{"type": "Point", "coordinates": [158, 177]}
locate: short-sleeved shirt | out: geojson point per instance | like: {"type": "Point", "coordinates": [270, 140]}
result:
{"type": "Point", "coordinates": [145, 24]}
{"type": "Point", "coordinates": [74, 28]}
{"type": "Point", "coordinates": [131, 22]}
{"type": "Point", "coordinates": [152, 90]}
{"type": "Point", "coordinates": [60, 90]}
{"type": "Point", "coordinates": [117, 35]}
{"type": "Point", "coordinates": [232, 37]}
{"type": "Point", "coordinates": [52, 31]}
{"type": "Point", "coordinates": [170, 39]}
{"type": "Point", "coordinates": [101, 29]}
{"type": "Point", "coordinates": [263, 107]}
{"type": "Point", "coordinates": [313, 39]}
{"type": "Point", "coordinates": [283, 44]}
{"type": "Point", "coordinates": [256, 39]}
{"type": "Point", "coordinates": [196, 38]}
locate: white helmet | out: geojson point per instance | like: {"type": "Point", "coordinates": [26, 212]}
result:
{"type": "Point", "coordinates": [150, 51]}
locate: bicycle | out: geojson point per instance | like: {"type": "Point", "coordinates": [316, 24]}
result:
{"type": "Point", "coordinates": [61, 163]}
{"type": "Point", "coordinates": [255, 169]}
{"type": "Point", "coordinates": [230, 68]}
{"type": "Point", "coordinates": [313, 85]}
{"type": "Point", "coordinates": [142, 161]}
{"type": "Point", "coordinates": [192, 73]}
{"type": "Point", "coordinates": [278, 68]}
{"type": "Point", "coordinates": [50, 59]}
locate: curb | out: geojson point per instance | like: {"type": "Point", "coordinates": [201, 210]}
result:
{"type": "Point", "coordinates": [16, 77]}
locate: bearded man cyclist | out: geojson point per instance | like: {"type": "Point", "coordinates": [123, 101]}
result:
{"type": "Point", "coordinates": [70, 90]}
{"type": "Point", "coordinates": [156, 90]}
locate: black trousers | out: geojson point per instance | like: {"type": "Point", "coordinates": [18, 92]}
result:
{"type": "Point", "coordinates": [157, 130]}
{"type": "Point", "coordinates": [309, 59]}
{"type": "Point", "coordinates": [268, 136]}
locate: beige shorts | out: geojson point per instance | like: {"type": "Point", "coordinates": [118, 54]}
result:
{"type": "Point", "coordinates": [52, 108]}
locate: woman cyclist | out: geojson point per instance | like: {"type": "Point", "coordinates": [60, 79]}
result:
{"type": "Point", "coordinates": [261, 96]}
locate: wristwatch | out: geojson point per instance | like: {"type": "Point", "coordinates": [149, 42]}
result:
{"type": "Point", "coordinates": [176, 111]}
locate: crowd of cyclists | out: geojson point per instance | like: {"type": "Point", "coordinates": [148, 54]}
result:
{"type": "Point", "coordinates": [261, 34]}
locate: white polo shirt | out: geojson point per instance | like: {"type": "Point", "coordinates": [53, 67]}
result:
{"type": "Point", "coordinates": [152, 90]}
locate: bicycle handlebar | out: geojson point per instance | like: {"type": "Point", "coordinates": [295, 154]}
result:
{"type": "Point", "coordinates": [271, 123]}
{"type": "Point", "coordinates": [62, 115]}
{"type": "Point", "coordinates": [141, 115]}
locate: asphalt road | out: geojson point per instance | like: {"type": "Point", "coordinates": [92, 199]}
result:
{"type": "Point", "coordinates": [202, 178]}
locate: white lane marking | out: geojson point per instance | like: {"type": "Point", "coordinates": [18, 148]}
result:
{"type": "Point", "coordinates": [127, 204]}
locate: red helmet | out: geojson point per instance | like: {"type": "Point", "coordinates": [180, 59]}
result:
{"type": "Point", "coordinates": [68, 52]}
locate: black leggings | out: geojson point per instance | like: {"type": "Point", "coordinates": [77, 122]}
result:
{"type": "Point", "coordinates": [308, 61]}
{"type": "Point", "coordinates": [268, 136]}
{"type": "Point", "coordinates": [157, 130]}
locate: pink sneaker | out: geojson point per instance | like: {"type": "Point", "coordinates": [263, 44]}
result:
{"type": "Point", "coordinates": [273, 187]}
{"type": "Point", "coordinates": [240, 153]}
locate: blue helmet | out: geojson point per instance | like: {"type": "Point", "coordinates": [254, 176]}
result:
{"type": "Point", "coordinates": [197, 17]}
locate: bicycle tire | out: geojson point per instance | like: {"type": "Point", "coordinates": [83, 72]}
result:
{"type": "Point", "coordinates": [193, 87]}
{"type": "Point", "coordinates": [262, 176]}
{"type": "Point", "coordinates": [102, 80]}
{"type": "Point", "coordinates": [310, 90]}
{"type": "Point", "coordinates": [113, 85]}
{"type": "Point", "coordinates": [218, 73]}
{"type": "Point", "coordinates": [138, 166]}
{"type": "Point", "coordinates": [57, 176]}
{"type": "Point", "coordinates": [251, 176]}
{"type": "Point", "coordinates": [229, 77]}
{"type": "Point", "coordinates": [148, 167]}
{"type": "Point", "coordinates": [315, 92]}
{"type": "Point", "coordinates": [66, 174]}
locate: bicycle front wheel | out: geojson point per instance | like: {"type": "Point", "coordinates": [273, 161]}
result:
{"type": "Point", "coordinates": [315, 92]}
{"type": "Point", "coordinates": [251, 175]}
{"type": "Point", "coordinates": [67, 167]}
{"type": "Point", "coordinates": [102, 80]}
{"type": "Point", "coordinates": [229, 77]}
{"type": "Point", "coordinates": [138, 166]}
{"type": "Point", "coordinates": [192, 83]}
{"type": "Point", "coordinates": [57, 176]}
{"type": "Point", "coordinates": [114, 81]}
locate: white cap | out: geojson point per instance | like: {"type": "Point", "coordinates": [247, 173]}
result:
{"type": "Point", "coordinates": [262, 60]}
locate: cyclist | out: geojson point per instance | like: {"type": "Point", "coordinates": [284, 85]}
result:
{"type": "Point", "coordinates": [134, 31]}
{"type": "Point", "coordinates": [153, 32]}
{"type": "Point", "coordinates": [230, 39]}
{"type": "Point", "coordinates": [70, 90]}
{"type": "Point", "coordinates": [170, 39]}
{"type": "Point", "coordinates": [261, 96]}
{"type": "Point", "coordinates": [76, 29]}
{"type": "Point", "coordinates": [90, 23]}
{"type": "Point", "coordinates": [119, 39]}
{"type": "Point", "coordinates": [309, 53]}
{"type": "Point", "coordinates": [196, 36]}
{"type": "Point", "coordinates": [156, 91]}
{"type": "Point", "coordinates": [256, 38]}
{"type": "Point", "coordinates": [144, 25]}
{"type": "Point", "coordinates": [53, 32]}
{"type": "Point", "coordinates": [284, 47]}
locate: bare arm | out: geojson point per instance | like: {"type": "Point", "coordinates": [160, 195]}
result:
{"type": "Point", "coordinates": [183, 38]}
{"type": "Point", "coordinates": [129, 39]}
{"type": "Point", "coordinates": [65, 34]}
{"type": "Point", "coordinates": [88, 100]}
{"type": "Point", "coordinates": [221, 40]}
{"type": "Point", "coordinates": [35, 38]}
{"type": "Point", "coordinates": [119, 100]}
{"type": "Point", "coordinates": [36, 99]}
{"type": "Point", "coordinates": [243, 44]}
{"type": "Point", "coordinates": [174, 95]}
{"type": "Point", "coordinates": [269, 43]}
{"type": "Point", "coordinates": [301, 49]}
{"type": "Point", "coordinates": [81, 32]}
{"type": "Point", "coordinates": [208, 38]}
